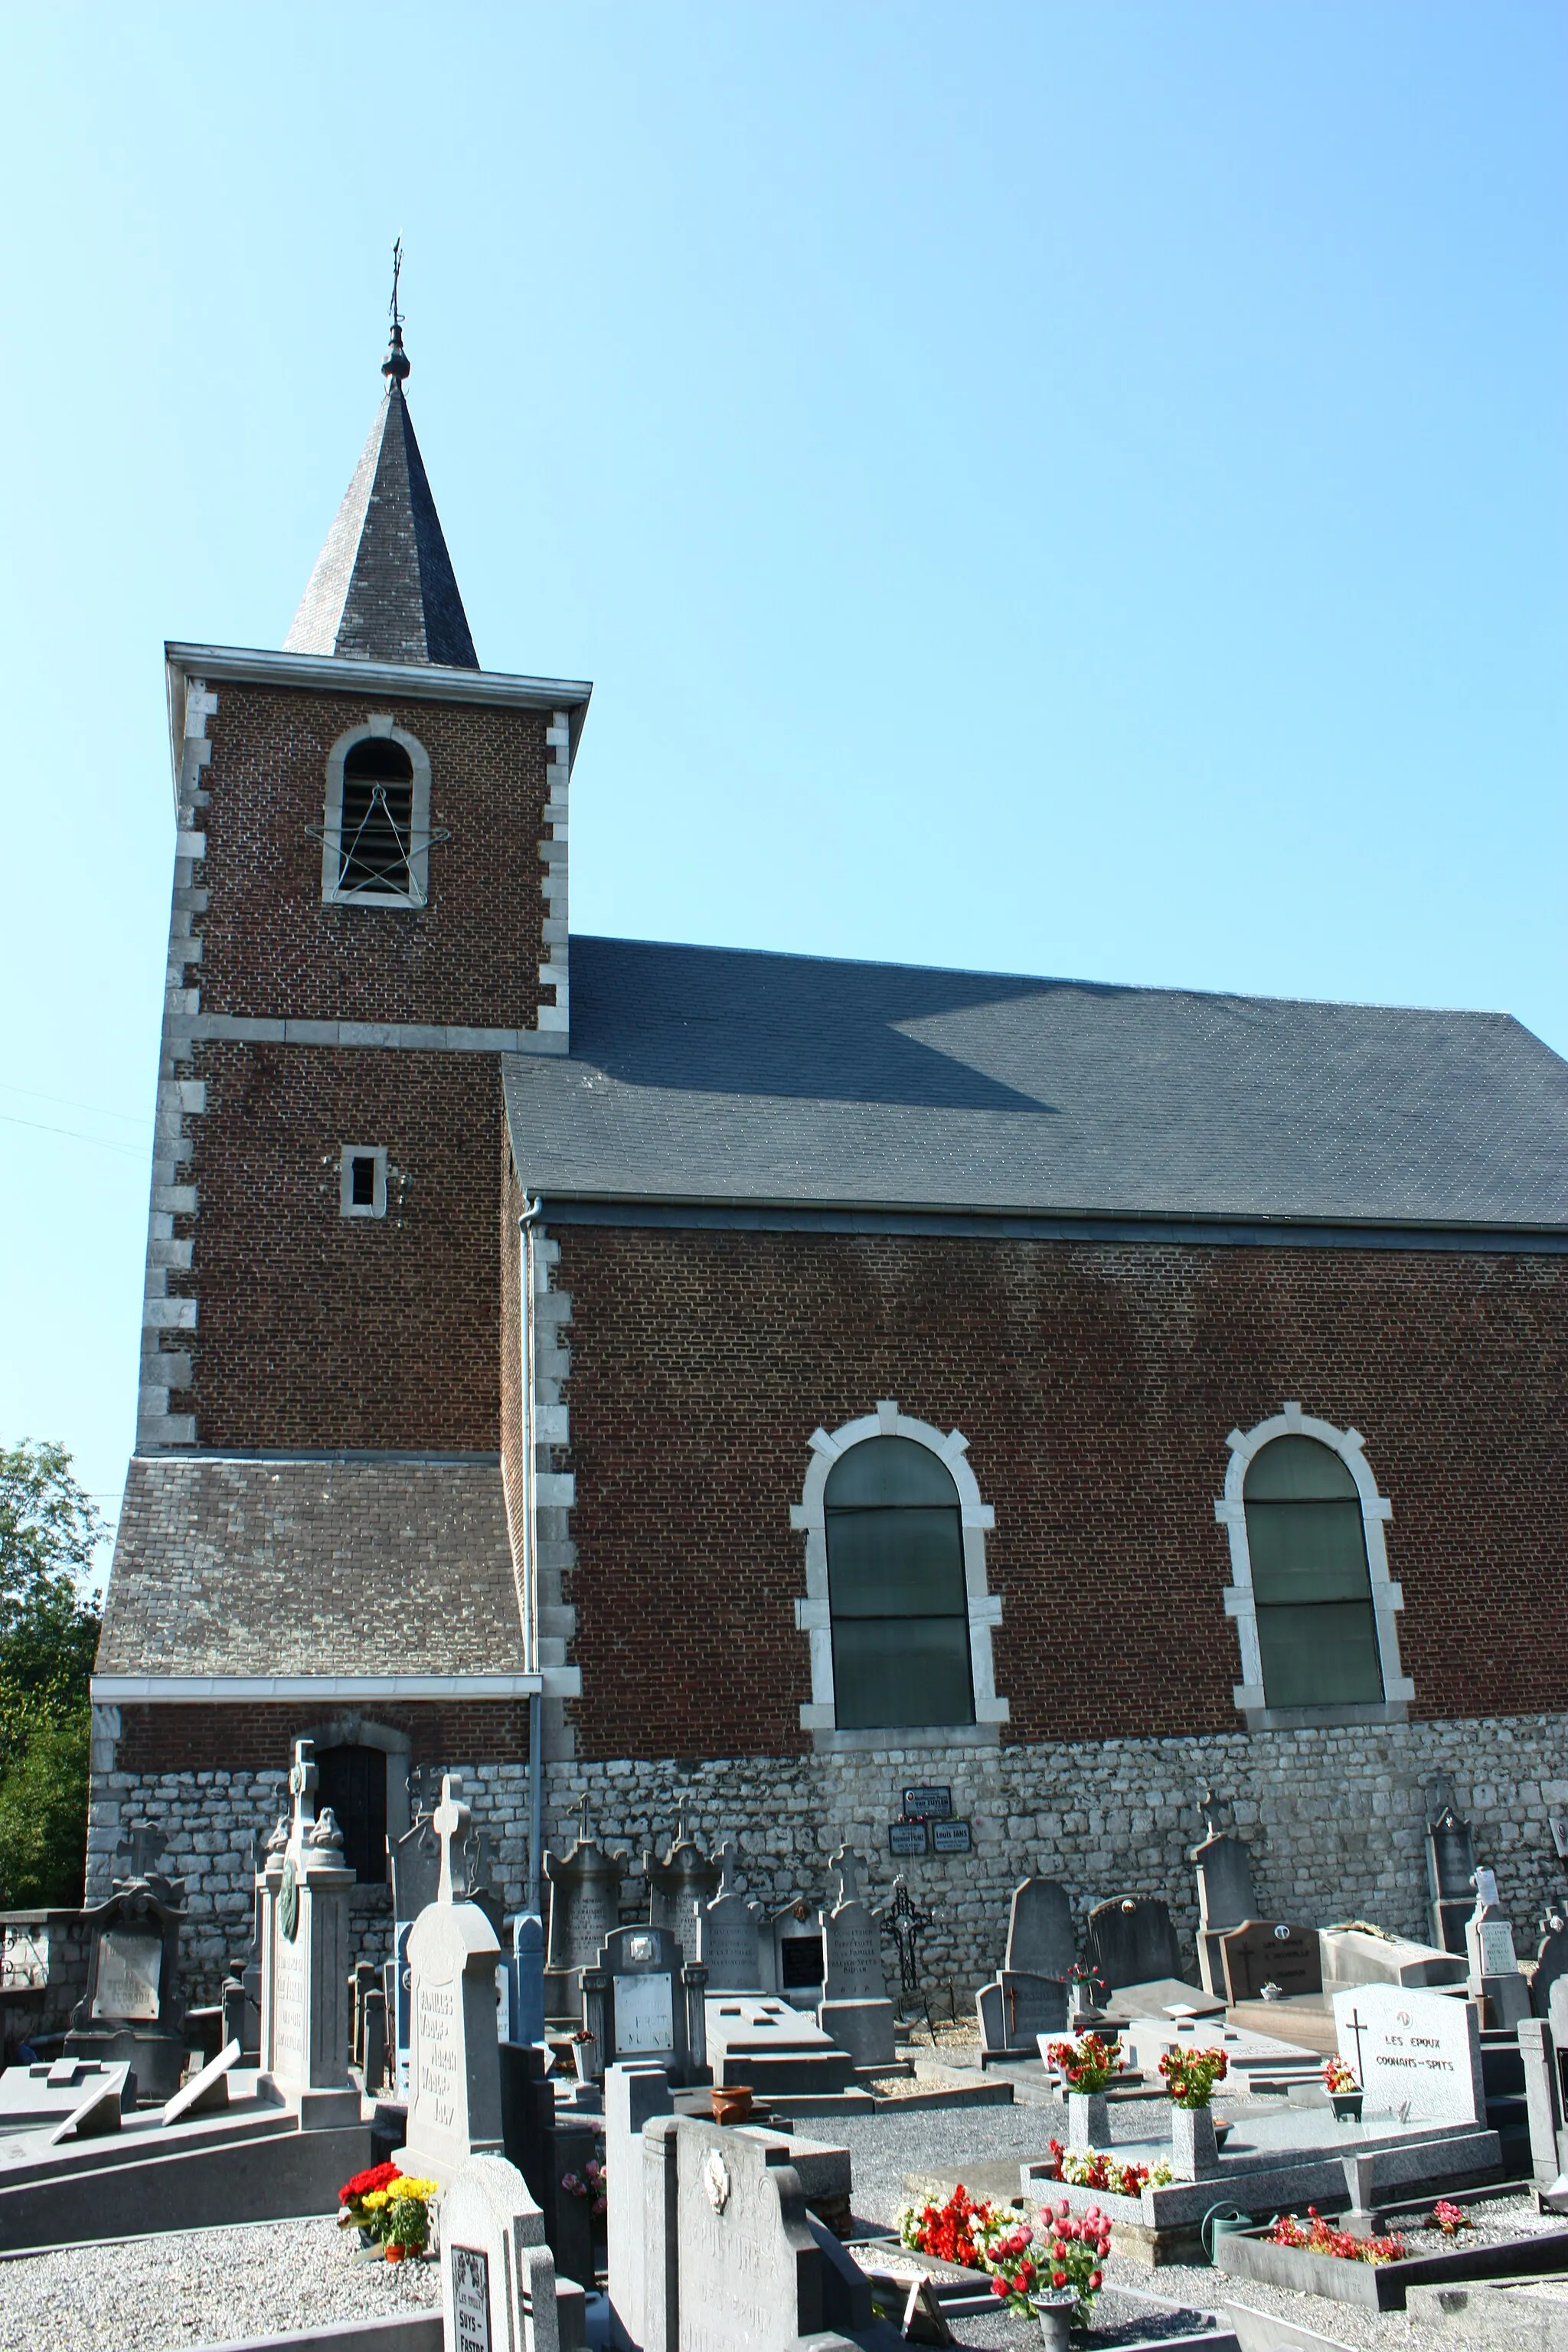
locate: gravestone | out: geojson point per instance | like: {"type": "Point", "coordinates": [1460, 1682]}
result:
{"type": "Point", "coordinates": [1350, 1956]}
{"type": "Point", "coordinates": [1415, 2054]}
{"type": "Point", "coordinates": [1014, 2010]}
{"type": "Point", "coordinates": [855, 2009]}
{"type": "Point", "coordinates": [1225, 1900]}
{"type": "Point", "coordinates": [1450, 1868]}
{"type": "Point", "coordinates": [632, 2095]}
{"type": "Point", "coordinates": [1542, 2099]}
{"type": "Point", "coordinates": [525, 1978]}
{"type": "Point", "coordinates": [762, 2042]}
{"type": "Point", "coordinates": [1132, 1940]}
{"type": "Point", "coordinates": [304, 1969]}
{"type": "Point", "coordinates": [684, 1882]}
{"type": "Point", "coordinates": [734, 2260]}
{"type": "Point", "coordinates": [791, 1950]}
{"type": "Point", "coordinates": [1551, 1961]}
{"type": "Point", "coordinates": [1268, 1951]}
{"type": "Point", "coordinates": [1494, 1966]}
{"type": "Point", "coordinates": [585, 1907]}
{"type": "Point", "coordinates": [644, 2001]}
{"type": "Point", "coordinates": [454, 2064]}
{"type": "Point", "coordinates": [1040, 1939]}
{"type": "Point", "coordinates": [208, 2089]}
{"type": "Point", "coordinates": [415, 1863]}
{"type": "Point", "coordinates": [727, 1935]}
{"type": "Point", "coordinates": [131, 2014]}
{"type": "Point", "coordinates": [499, 2287]}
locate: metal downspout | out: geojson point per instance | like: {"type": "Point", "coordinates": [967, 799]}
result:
{"type": "Point", "coordinates": [531, 1566]}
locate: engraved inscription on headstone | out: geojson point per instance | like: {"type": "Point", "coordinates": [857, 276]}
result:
{"type": "Point", "coordinates": [129, 1969]}
{"type": "Point", "coordinates": [1266, 1951]}
{"type": "Point", "coordinates": [1411, 2050]}
{"type": "Point", "coordinates": [470, 2298]}
{"type": "Point", "coordinates": [645, 2016]}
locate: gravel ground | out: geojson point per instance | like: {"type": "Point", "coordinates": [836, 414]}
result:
{"type": "Point", "coordinates": [200, 2287]}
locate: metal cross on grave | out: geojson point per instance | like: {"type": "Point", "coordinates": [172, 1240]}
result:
{"type": "Point", "coordinates": [303, 1781]}
{"type": "Point", "coordinates": [450, 1821]}
{"type": "Point", "coordinates": [145, 1842]}
{"type": "Point", "coordinates": [1355, 2026]}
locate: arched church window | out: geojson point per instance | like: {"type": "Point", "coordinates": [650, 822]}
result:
{"type": "Point", "coordinates": [896, 1588]}
{"type": "Point", "coordinates": [375, 833]}
{"type": "Point", "coordinates": [1316, 1630]}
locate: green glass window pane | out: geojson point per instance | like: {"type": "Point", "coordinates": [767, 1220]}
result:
{"type": "Point", "coordinates": [896, 1562]}
{"type": "Point", "coordinates": [1324, 1656]}
{"type": "Point", "coordinates": [1307, 1551]}
{"type": "Point", "coordinates": [889, 1470]}
{"type": "Point", "coordinates": [1297, 1470]}
{"type": "Point", "coordinates": [901, 1671]}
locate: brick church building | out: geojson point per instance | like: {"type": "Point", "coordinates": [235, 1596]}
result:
{"type": "Point", "coordinates": [617, 1368]}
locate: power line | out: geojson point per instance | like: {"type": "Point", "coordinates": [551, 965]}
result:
{"type": "Point", "coordinates": [126, 1150]}
{"type": "Point", "coordinates": [99, 1110]}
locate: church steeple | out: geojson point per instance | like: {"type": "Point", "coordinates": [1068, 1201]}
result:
{"type": "Point", "coordinates": [384, 588]}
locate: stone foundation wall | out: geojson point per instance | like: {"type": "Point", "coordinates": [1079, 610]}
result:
{"type": "Point", "coordinates": [1335, 1821]}
{"type": "Point", "coordinates": [209, 1817]}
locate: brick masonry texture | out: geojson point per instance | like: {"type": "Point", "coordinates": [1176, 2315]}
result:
{"type": "Point", "coordinates": [317, 1330]}
{"type": "Point", "coordinates": [1334, 1820]}
{"type": "Point", "coordinates": [1096, 1384]}
{"type": "Point", "coordinates": [269, 1567]}
{"type": "Point", "coordinates": [271, 950]}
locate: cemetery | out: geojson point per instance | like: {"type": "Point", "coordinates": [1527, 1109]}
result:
{"type": "Point", "coordinates": [669, 2116]}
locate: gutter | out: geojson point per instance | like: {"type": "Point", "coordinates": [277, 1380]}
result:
{"type": "Point", "coordinates": [204, 1690]}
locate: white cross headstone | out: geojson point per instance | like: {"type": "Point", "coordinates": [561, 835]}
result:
{"type": "Point", "coordinates": [1417, 2055]}
{"type": "Point", "coordinates": [454, 2059]}
{"type": "Point", "coordinates": [304, 1961]}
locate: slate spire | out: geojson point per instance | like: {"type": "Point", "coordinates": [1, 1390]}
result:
{"type": "Point", "coordinates": [384, 588]}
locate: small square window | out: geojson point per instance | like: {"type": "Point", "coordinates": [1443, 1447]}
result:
{"type": "Point", "coordinates": [361, 1180]}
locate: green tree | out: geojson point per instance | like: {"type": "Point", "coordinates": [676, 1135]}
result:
{"type": "Point", "coordinates": [48, 1635]}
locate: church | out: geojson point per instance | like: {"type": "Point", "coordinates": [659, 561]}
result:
{"type": "Point", "coordinates": [630, 1371]}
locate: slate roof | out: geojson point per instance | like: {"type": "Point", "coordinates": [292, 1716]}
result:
{"type": "Point", "coordinates": [225, 1567]}
{"type": "Point", "coordinates": [384, 588]}
{"type": "Point", "coordinates": [713, 1074]}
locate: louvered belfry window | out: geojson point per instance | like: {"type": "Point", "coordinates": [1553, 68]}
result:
{"type": "Point", "coordinates": [896, 1587]}
{"type": "Point", "coordinates": [1309, 1578]}
{"type": "Point", "coordinates": [377, 824]}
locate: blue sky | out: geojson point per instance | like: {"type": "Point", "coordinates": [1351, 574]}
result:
{"type": "Point", "coordinates": [1062, 489]}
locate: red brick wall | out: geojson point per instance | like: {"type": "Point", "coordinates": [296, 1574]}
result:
{"type": "Point", "coordinates": [318, 1329]}
{"type": "Point", "coordinates": [271, 948]}
{"type": "Point", "coordinates": [1096, 1384]}
{"type": "Point", "coordinates": [260, 1738]}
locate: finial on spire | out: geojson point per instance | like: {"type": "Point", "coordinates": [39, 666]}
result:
{"type": "Point", "coordinates": [396, 366]}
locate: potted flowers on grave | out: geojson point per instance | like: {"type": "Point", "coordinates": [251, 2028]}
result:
{"type": "Point", "coordinates": [1190, 2078]}
{"type": "Point", "coordinates": [1345, 2093]}
{"type": "Point", "coordinates": [592, 2183]}
{"type": "Point", "coordinates": [1091, 2168]}
{"type": "Point", "coordinates": [391, 2211]}
{"type": "Point", "coordinates": [1053, 2269]}
{"type": "Point", "coordinates": [1086, 2066]}
{"type": "Point", "coordinates": [1072, 2264]}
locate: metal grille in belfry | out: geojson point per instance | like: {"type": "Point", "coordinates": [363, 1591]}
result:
{"type": "Point", "coordinates": [373, 842]}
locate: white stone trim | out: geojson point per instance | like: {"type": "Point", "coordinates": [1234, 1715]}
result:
{"type": "Point", "coordinates": [1240, 1604]}
{"type": "Point", "coordinates": [549, 1622]}
{"type": "Point", "coordinates": [813, 1614]}
{"type": "Point", "coordinates": [164, 1369]}
{"type": "Point", "coordinates": [555, 1019]}
{"type": "Point", "coordinates": [377, 724]}
{"type": "Point", "coordinates": [175, 1690]}
{"type": "Point", "coordinates": [376, 1205]}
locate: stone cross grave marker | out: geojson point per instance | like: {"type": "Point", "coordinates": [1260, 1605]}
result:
{"type": "Point", "coordinates": [305, 1949]}
{"type": "Point", "coordinates": [1132, 1940]}
{"type": "Point", "coordinates": [645, 2002]}
{"type": "Point", "coordinates": [1040, 1938]}
{"type": "Point", "coordinates": [681, 1885]}
{"type": "Point", "coordinates": [498, 2276]}
{"type": "Point", "coordinates": [1268, 1951]}
{"type": "Point", "coordinates": [727, 1934]}
{"type": "Point", "coordinates": [585, 1907]}
{"type": "Point", "coordinates": [1494, 1972]}
{"type": "Point", "coordinates": [1414, 2053]}
{"type": "Point", "coordinates": [1551, 1961]}
{"type": "Point", "coordinates": [855, 2008]}
{"type": "Point", "coordinates": [453, 2058]}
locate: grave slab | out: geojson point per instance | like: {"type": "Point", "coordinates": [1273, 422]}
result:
{"type": "Point", "coordinates": [498, 2276]}
{"type": "Point", "coordinates": [752, 2274]}
{"type": "Point", "coordinates": [1350, 1956]}
{"type": "Point", "coordinates": [774, 2048]}
{"type": "Point", "coordinates": [39, 2095]}
{"type": "Point", "coordinates": [207, 2090]}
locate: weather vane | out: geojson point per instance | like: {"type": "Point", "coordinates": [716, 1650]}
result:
{"type": "Point", "coordinates": [397, 274]}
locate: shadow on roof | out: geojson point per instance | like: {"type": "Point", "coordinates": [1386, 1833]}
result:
{"type": "Point", "coordinates": [737, 1021]}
